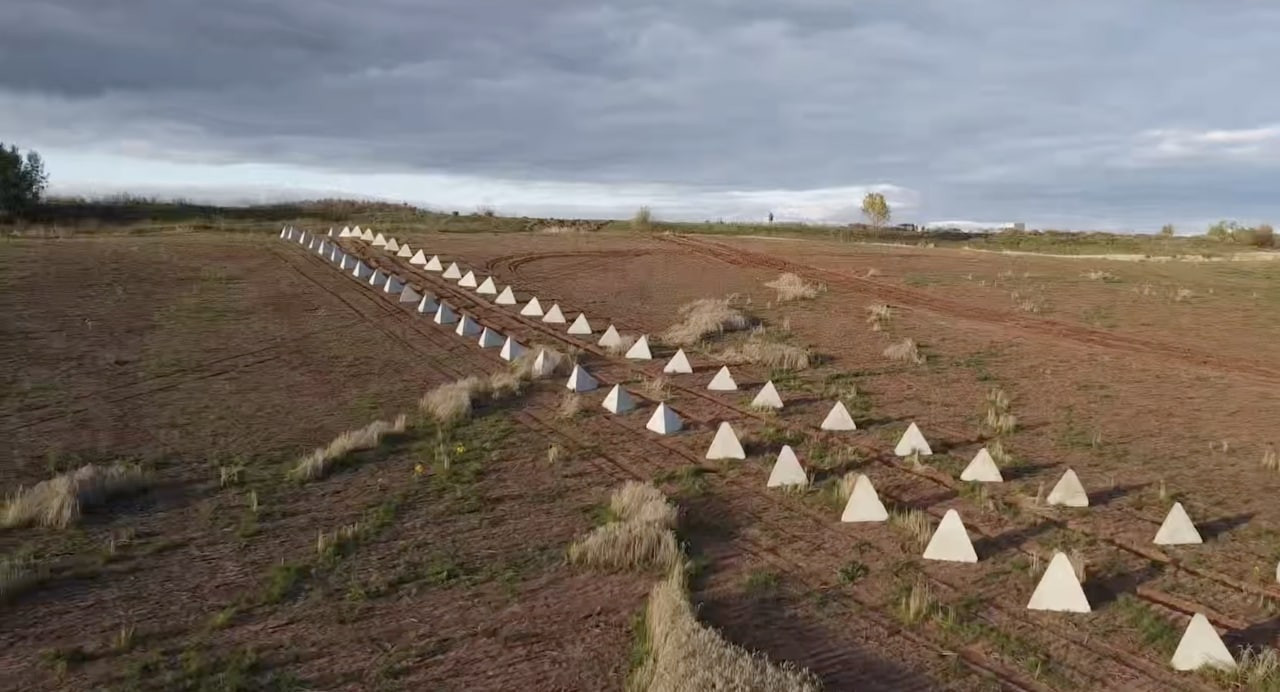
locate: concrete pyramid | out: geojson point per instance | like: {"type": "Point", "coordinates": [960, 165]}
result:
{"type": "Point", "coordinates": [787, 470]}
{"type": "Point", "coordinates": [346, 263]}
{"type": "Point", "coordinates": [580, 380]}
{"type": "Point", "coordinates": [950, 541]}
{"type": "Point", "coordinates": [768, 397]}
{"type": "Point", "coordinates": [378, 279]}
{"type": "Point", "coordinates": [1068, 492]}
{"type": "Point", "coordinates": [433, 264]}
{"type": "Point", "coordinates": [723, 381]}
{"type": "Point", "coordinates": [580, 325]}
{"type": "Point", "coordinates": [302, 238]}
{"type": "Point", "coordinates": [379, 240]}
{"type": "Point", "coordinates": [618, 400]}
{"type": "Point", "coordinates": [982, 469]}
{"type": "Point", "coordinates": [331, 231]}
{"type": "Point", "coordinates": [533, 309]}
{"type": "Point", "coordinates": [1178, 528]}
{"type": "Point", "coordinates": [611, 338]}
{"type": "Point", "coordinates": [664, 421]}
{"type": "Point", "coordinates": [678, 365]}
{"type": "Point", "coordinates": [864, 503]}
{"type": "Point", "coordinates": [345, 232]}
{"type": "Point", "coordinates": [394, 284]}
{"type": "Point", "coordinates": [467, 326]}
{"type": "Point", "coordinates": [409, 295]}
{"type": "Point", "coordinates": [322, 248]}
{"type": "Point", "coordinates": [725, 444]}
{"type": "Point", "coordinates": [507, 297]}
{"type": "Point", "coordinates": [357, 233]}
{"type": "Point", "coordinates": [283, 230]}
{"type": "Point", "coordinates": [490, 338]}
{"type": "Point", "coordinates": [405, 251]}
{"type": "Point", "coordinates": [640, 349]}
{"type": "Point", "coordinates": [392, 245]}
{"type": "Point", "coordinates": [486, 287]}
{"type": "Point", "coordinates": [511, 350]}
{"type": "Point", "coordinates": [453, 272]}
{"type": "Point", "coordinates": [912, 442]}
{"type": "Point", "coordinates": [542, 365]}
{"type": "Point", "coordinates": [368, 236]}
{"type": "Point", "coordinates": [428, 304]}
{"type": "Point", "coordinates": [1201, 646]}
{"type": "Point", "coordinates": [361, 270]}
{"type": "Point", "coordinates": [1059, 590]}
{"type": "Point", "coordinates": [419, 259]}
{"type": "Point", "coordinates": [310, 242]}
{"type": "Point", "coordinates": [554, 315]}
{"type": "Point", "coordinates": [468, 280]}
{"type": "Point", "coordinates": [444, 315]}
{"type": "Point", "coordinates": [838, 419]}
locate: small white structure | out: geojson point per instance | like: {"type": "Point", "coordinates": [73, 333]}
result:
{"type": "Point", "coordinates": [580, 380]}
{"type": "Point", "coordinates": [434, 265]}
{"type": "Point", "coordinates": [453, 272]}
{"type": "Point", "coordinates": [419, 259]}
{"type": "Point", "coordinates": [618, 400]}
{"type": "Point", "coordinates": [838, 419]}
{"type": "Point", "coordinates": [445, 315]}
{"type": "Point", "coordinates": [542, 364]}
{"type": "Point", "coordinates": [323, 247]}
{"type": "Point", "coordinates": [361, 271]}
{"type": "Point", "coordinates": [982, 469]}
{"type": "Point", "coordinates": [507, 297]}
{"type": "Point", "coordinates": [331, 231]}
{"type": "Point", "coordinates": [345, 232]}
{"type": "Point", "coordinates": [787, 470]}
{"type": "Point", "coordinates": [357, 233]}
{"type": "Point", "coordinates": [1178, 529]}
{"type": "Point", "coordinates": [379, 240]}
{"type": "Point", "coordinates": [1059, 590]}
{"type": "Point", "coordinates": [405, 251]}
{"type": "Point", "coordinates": [467, 326]}
{"type": "Point", "coordinates": [912, 442]}
{"type": "Point", "coordinates": [678, 365]}
{"type": "Point", "coordinates": [950, 543]}
{"type": "Point", "coordinates": [284, 230]}
{"type": "Point", "coordinates": [1068, 492]}
{"type": "Point", "coordinates": [487, 287]}
{"type": "Point", "coordinates": [580, 325]}
{"type": "Point", "coordinates": [346, 263]}
{"type": "Point", "coordinates": [392, 245]}
{"type": "Point", "coordinates": [378, 280]}
{"type": "Point", "coordinates": [723, 381]}
{"type": "Point", "coordinates": [554, 315]}
{"type": "Point", "coordinates": [394, 284]}
{"type": "Point", "coordinates": [664, 421]}
{"type": "Point", "coordinates": [490, 339]}
{"type": "Point", "coordinates": [428, 304]}
{"type": "Point", "coordinates": [367, 236]}
{"type": "Point", "coordinates": [640, 349]}
{"type": "Point", "coordinates": [511, 350]}
{"type": "Point", "coordinates": [864, 503]}
{"type": "Point", "coordinates": [725, 444]}
{"type": "Point", "coordinates": [611, 338]}
{"type": "Point", "coordinates": [468, 280]}
{"type": "Point", "coordinates": [1201, 646]}
{"type": "Point", "coordinates": [768, 397]}
{"type": "Point", "coordinates": [410, 295]}
{"type": "Point", "coordinates": [533, 309]}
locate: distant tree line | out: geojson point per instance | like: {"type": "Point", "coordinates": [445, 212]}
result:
{"type": "Point", "coordinates": [22, 182]}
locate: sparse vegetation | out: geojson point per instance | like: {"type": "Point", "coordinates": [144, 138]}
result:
{"type": "Point", "coordinates": [642, 220]}
{"type": "Point", "coordinates": [18, 575]}
{"type": "Point", "coordinates": [1270, 460]}
{"type": "Point", "coordinates": [703, 318]}
{"type": "Point", "coordinates": [878, 316]}
{"type": "Point", "coordinates": [915, 603]}
{"type": "Point", "coordinates": [320, 462]}
{"type": "Point", "coordinates": [570, 405]}
{"type": "Point", "coordinates": [771, 353]}
{"type": "Point", "coordinates": [625, 342]}
{"type": "Point", "coordinates": [905, 351]}
{"type": "Point", "coordinates": [639, 537]}
{"type": "Point", "coordinates": [791, 287]}
{"type": "Point", "coordinates": [999, 420]}
{"type": "Point", "coordinates": [656, 388]}
{"type": "Point", "coordinates": [914, 523]}
{"type": "Point", "coordinates": [59, 501]}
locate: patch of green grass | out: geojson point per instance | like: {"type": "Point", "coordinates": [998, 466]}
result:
{"type": "Point", "coordinates": [194, 670]}
{"type": "Point", "coordinates": [222, 618]}
{"type": "Point", "coordinates": [284, 581]}
{"type": "Point", "coordinates": [920, 280]}
{"type": "Point", "coordinates": [690, 481]}
{"type": "Point", "coordinates": [761, 582]}
{"type": "Point", "coordinates": [852, 571]}
{"type": "Point", "coordinates": [1155, 631]}
{"type": "Point", "coordinates": [775, 435]}
{"type": "Point", "coordinates": [640, 650]}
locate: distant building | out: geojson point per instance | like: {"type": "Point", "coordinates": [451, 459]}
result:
{"type": "Point", "coordinates": [907, 227]}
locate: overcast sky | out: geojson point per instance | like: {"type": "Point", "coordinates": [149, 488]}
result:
{"type": "Point", "coordinates": [1082, 114]}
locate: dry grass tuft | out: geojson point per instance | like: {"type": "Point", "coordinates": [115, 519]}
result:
{"type": "Point", "coordinates": [639, 538]}
{"type": "Point", "coordinates": [914, 523]}
{"type": "Point", "coordinates": [320, 461]}
{"type": "Point", "coordinates": [1079, 563]}
{"type": "Point", "coordinates": [845, 488]}
{"type": "Point", "coordinates": [878, 316]}
{"type": "Point", "coordinates": [18, 575]}
{"type": "Point", "coordinates": [915, 604]}
{"type": "Point", "coordinates": [1270, 461]}
{"type": "Point", "coordinates": [570, 405]}
{"type": "Point", "coordinates": [59, 501]}
{"type": "Point", "coordinates": [999, 420]}
{"type": "Point", "coordinates": [1099, 275]}
{"type": "Point", "coordinates": [642, 502]}
{"type": "Point", "coordinates": [905, 351]}
{"type": "Point", "coordinates": [702, 318]}
{"type": "Point", "coordinates": [1256, 669]}
{"type": "Point", "coordinates": [452, 402]}
{"type": "Point", "coordinates": [625, 342]}
{"type": "Point", "coordinates": [771, 354]}
{"type": "Point", "coordinates": [522, 367]}
{"type": "Point", "coordinates": [791, 287]}
{"type": "Point", "coordinates": [656, 388]}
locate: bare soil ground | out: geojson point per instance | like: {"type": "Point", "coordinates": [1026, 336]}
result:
{"type": "Point", "coordinates": [194, 351]}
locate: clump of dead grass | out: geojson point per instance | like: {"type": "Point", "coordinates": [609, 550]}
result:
{"type": "Point", "coordinates": [17, 575]}
{"type": "Point", "coordinates": [570, 405]}
{"type": "Point", "coordinates": [915, 603]}
{"type": "Point", "coordinates": [321, 460]}
{"type": "Point", "coordinates": [454, 401]}
{"type": "Point", "coordinates": [556, 362]}
{"type": "Point", "coordinates": [905, 351]}
{"type": "Point", "coordinates": [1099, 275]}
{"type": "Point", "coordinates": [999, 419]}
{"type": "Point", "coordinates": [640, 536]}
{"type": "Point", "coordinates": [1270, 460]}
{"type": "Point", "coordinates": [656, 388]}
{"type": "Point", "coordinates": [59, 501]}
{"type": "Point", "coordinates": [770, 353]}
{"type": "Point", "coordinates": [878, 316]}
{"type": "Point", "coordinates": [914, 523]}
{"type": "Point", "coordinates": [705, 317]}
{"type": "Point", "coordinates": [625, 342]}
{"type": "Point", "coordinates": [791, 287]}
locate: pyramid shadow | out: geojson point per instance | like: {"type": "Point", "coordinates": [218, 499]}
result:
{"type": "Point", "coordinates": [1104, 589]}
{"type": "Point", "coordinates": [924, 503]}
{"type": "Point", "coordinates": [988, 546]}
{"type": "Point", "coordinates": [1102, 498]}
{"type": "Point", "coordinates": [1021, 471]}
{"type": "Point", "coordinates": [1261, 635]}
{"type": "Point", "coordinates": [1211, 530]}
{"type": "Point", "coordinates": [873, 422]}
{"type": "Point", "coordinates": [945, 446]}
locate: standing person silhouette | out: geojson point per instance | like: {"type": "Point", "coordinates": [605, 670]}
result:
{"type": "Point", "coordinates": [770, 217]}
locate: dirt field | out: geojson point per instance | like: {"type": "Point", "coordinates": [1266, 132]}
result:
{"type": "Point", "coordinates": [193, 352]}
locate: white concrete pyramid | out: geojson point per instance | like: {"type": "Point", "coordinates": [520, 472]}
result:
{"type": "Point", "coordinates": [787, 470]}
{"type": "Point", "coordinates": [392, 245]}
{"type": "Point", "coordinates": [507, 297]}
{"type": "Point", "coordinates": [580, 380]}
{"type": "Point", "coordinates": [950, 543]}
{"type": "Point", "coordinates": [725, 444]}
{"type": "Point", "coordinates": [346, 263]}
{"type": "Point", "coordinates": [580, 325]}
{"type": "Point", "coordinates": [283, 231]}
{"type": "Point", "coordinates": [322, 248]}
{"type": "Point", "coordinates": [723, 381]}
{"type": "Point", "coordinates": [1178, 529]}
{"type": "Point", "coordinates": [664, 421]}
{"type": "Point", "coordinates": [409, 295]}
{"type": "Point", "coordinates": [419, 258]}
{"type": "Point", "coordinates": [444, 315]}
{"type": "Point", "coordinates": [768, 397]}
{"type": "Point", "coordinates": [490, 338]}
{"type": "Point", "coordinates": [912, 442]}
{"type": "Point", "coordinates": [309, 241]}
{"type": "Point", "coordinates": [618, 400]}
{"type": "Point", "coordinates": [1068, 492]}
{"type": "Point", "coordinates": [610, 338]}
{"type": "Point", "coordinates": [345, 232]}
{"type": "Point", "coordinates": [394, 284]}
{"type": "Point", "coordinates": [1201, 646]}
{"type": "Point", "coordinates": [982, 469]}
{"type": "Point", "coordinates": [554, 315]}
{"type": "Point", "coordinates": [468, 280]}
{"type": "Point", "coordinates": [486, 287]}
{"type": "Point", "coordinates": [542, 365]}
{"type": "Point", "coordinates": [428, 304]}
{"type": "Point", "coordinates": [838, 419]}
{"type": "Point", "coordinates": [678, 365]}
{"type": "Point", "coordinates": [533, 309]}
{"type": "Point", "coordinates": [379, 240]}
{"type": "Point", "coordinates": [467, 326]}
{"type": "Point", "coordinates": [864, 503]}
{"type": "Point", "coordinates": [453, 272]}
{"type": "Point", "coordinates": [640, 349]}
{"type": "Point", "coordinates": [367, 235]}
{"type": "Point", "coordinates": [378, 279]}
{"type": "Point", "coordinates": [356, 232]}
{"type": "Point", "coordinates": [405, 251]}
{"type": "Point", "coordinates": [434, 265]}
{"type": "Point", "coordinates": [331, 231]}
{"type": "Point", "coordinates": [1059, 590]}
{"type": "Point", "coordinates": [511, 350]}
{"type": "Point", "coordinates": [361, 270]}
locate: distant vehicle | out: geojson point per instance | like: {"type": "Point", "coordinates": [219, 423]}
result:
{"type": "Point", "coordinates": [907, 227]}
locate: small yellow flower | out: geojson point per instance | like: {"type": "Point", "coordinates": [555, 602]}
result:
{"type": "Point", "coordinates": [419, 469]}
{"type": "Point", "coordinates": [459, 449]}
